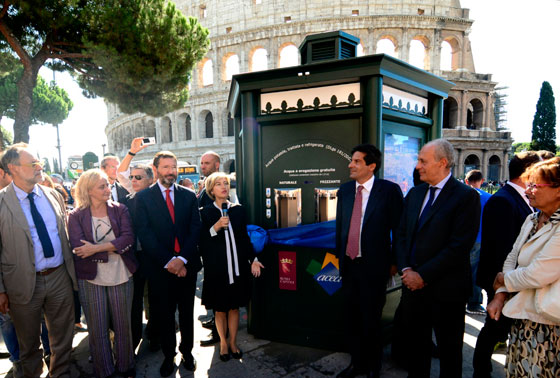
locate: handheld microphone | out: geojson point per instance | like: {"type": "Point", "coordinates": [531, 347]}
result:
{"type": "Point", "coordinates": [224, 210]}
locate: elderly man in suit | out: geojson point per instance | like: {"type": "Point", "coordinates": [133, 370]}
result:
{"type": "Point", "coordinates": [368, 211]}
{"type": "Point", "coordinates": [109, 164]}
{"type": "Point", "coordinates": [168, 224]}
{"type": "Point", "coordinates": [502, 219]}
{"type": "Point", "coordinates": [37, 274]}
{"type": "Point", "coordinates": [437, 231]}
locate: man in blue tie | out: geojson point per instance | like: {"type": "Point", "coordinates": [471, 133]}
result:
{"type": "Point", "coordinates": [438, 228]}
{"type": "Point", "coordinates": [37, 273]}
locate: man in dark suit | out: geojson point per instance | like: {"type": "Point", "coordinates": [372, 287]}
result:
{"type": "Point", "coordinates": [169, 227]}
{"type": "Point", "coordinates": [502, 219]}
{"type": "Point", "coordinates": [368, 210]}
{"type": "Point", "coordinates": [141, 177]}
{"type": "Point", "coordinates": [109, 165]}
{"type": "Point", "coordinates": [209, 163]}
{"type": "Point", "coordinates": [438, 228]}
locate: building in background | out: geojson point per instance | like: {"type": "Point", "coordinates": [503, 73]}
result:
{"type": "Point", "coordinates": [252, 35]}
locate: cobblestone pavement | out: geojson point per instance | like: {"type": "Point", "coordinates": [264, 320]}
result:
{"type": "Point", "coordinates": [262, 358]}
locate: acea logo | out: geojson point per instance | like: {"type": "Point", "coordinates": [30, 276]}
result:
{"type": "Point", "coordinates": [326, 274]}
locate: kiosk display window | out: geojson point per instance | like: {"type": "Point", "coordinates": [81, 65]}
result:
{"type": "Point", "coordinates": [400, 158]}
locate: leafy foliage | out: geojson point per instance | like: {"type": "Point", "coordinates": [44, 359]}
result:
{"type": "Point", "coordinates": [138, 54]}
{"type": "Point", "coordinates": [544, 122]}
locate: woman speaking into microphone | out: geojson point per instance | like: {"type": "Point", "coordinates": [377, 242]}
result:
{"type": "Point", "coordinates": [229, 259]}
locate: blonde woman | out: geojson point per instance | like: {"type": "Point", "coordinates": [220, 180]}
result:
{"type": "Point", "coordinates": [102, 237]}
{"type": "Point", "coordinates": [229, 259]}
{"type": "Point", "coordinates": [533, 263]}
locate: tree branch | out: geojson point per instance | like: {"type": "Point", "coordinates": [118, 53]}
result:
{"type": "Point", "coordinates": [80, 70]}
{"type": "Point", "coordinates": [4, 8]}
{"type": "Point", "coordinates": [14, 42]}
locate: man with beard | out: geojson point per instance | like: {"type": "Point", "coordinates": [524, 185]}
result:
{"type": "Point", "coordinates": [168, 224]}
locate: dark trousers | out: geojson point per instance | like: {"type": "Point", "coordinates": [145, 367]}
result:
{"type": "Point", "coordinates": [421, 312]}
{"type": "Point", "coordinates": [364, 298]}
{"type": "Point", "coordinates": [137, 308]}
{"type": "Point", "coordinates": [492, 332]}
{"type": "Point", "coordinates": [170, 293]}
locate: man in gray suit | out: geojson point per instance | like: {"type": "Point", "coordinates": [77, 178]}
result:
{"type": "Point", "coordinates": [37, 270]}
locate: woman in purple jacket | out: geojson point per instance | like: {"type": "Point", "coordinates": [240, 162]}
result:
{"type": "Point", "coordinates": [102, 238]}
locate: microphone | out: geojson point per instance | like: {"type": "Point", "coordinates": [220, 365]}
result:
{"type": "Point", "coordinates": [224, 210]}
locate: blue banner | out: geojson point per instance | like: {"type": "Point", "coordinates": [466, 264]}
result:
{"type": "Point", "coordinates": [318, 235]}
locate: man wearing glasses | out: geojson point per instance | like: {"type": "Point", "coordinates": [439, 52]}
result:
{"type": "Point", "coordinates": [37, 273]}
{"type": "Point", "coordinates": [141, 177]}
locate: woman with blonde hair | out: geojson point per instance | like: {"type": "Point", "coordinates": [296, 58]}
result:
{"type": "Point", "coordinates": [229, 259]}
{"type": "Point", "coordinates": [530, 269]}
{"type": "Point", "coordinates": [102, 239]}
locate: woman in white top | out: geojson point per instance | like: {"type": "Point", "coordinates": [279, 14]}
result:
{"type": "Point", "coordinates": [533, 264]}
{"type": "Point", "coordinates": [102, 239]}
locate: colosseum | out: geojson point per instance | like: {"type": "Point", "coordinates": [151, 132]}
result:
{"type": "Point", "coordinates": [251, 35]}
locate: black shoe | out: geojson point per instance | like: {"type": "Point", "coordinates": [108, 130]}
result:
{"type": "Point", "coordinates": [209, 324]}
{"type": "Point", "coordinates": [237, 355]}
{"type": "Point", "coordinates": [4, 355]}
{"type": "Point", "coordinates": [225, 357]}
{"type": "Point", "coordinates": [211, 341]}
{"type": "Point", "coordinates": [189, 362]}
{"type": "Point", "coordinates": [167, 367]}
{"type": "Point", "coordinates": [350, 372]}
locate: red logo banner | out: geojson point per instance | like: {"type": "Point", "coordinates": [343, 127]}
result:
{"type": "Point", "coordinates": [287, 270]}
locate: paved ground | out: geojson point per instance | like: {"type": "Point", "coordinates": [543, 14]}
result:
{"type": "Point", "coordinates": [262, 358]}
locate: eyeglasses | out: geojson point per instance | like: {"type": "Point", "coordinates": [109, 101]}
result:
{"type": "Point", "coordinates": [136, 177]}
{"type": "Point", "coordinates": [33, 164]}
{"type": "Point", "coordinates": [532, 185]}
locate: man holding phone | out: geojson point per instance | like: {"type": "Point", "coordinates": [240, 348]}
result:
{"type": "Point", "coordinates": [123, 171]}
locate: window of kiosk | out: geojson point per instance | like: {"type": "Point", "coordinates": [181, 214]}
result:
{"type": "Point", "coordinates": [401, 144]}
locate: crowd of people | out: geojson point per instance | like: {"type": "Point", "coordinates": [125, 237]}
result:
{"type": "Point", "coordinates": [125, 228]}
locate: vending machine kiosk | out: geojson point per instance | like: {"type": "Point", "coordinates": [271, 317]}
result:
{"type": "Point", "coordinates": [294, 130]}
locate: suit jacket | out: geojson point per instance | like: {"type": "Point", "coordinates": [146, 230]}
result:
{"type": "Point", "coordinates": [204, 199]}
{"type": "Point", "coordinates": [502, 218]}
{"type": "Point", "coordinates": [17, 258]}
{"type": "Point", "coordinates": [381, 218]}
{"type": "Point", "coordinates": [443, 241]}
{"type": "Point", "coordinates": [131, 202]}
{"type": "Point", "coordinates": [80, 228]}
{"type": "Point", "coordinates": [157, 232]}
{"type": "Point", "coordinates": [121, 192]}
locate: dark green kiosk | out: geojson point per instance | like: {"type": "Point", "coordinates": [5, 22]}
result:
{"type": "Point", "coordinates": [294, 130]}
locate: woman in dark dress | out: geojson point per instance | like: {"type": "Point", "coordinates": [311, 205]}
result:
{"type": "Point", "coordinates": [229, 259]}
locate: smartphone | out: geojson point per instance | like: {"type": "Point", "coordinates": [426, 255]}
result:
{"type": "Point", "coordinates": [148, 141]}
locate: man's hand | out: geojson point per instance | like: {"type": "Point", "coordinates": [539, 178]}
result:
{"type": "Point", "coordinates": [499, 281]}
{"type": "Point", "coordinates": [4, 303]}
{"type": "Point", "coordinates": [182, 271]}
{"type": "Point", "coordinates": [495, 307]}
{"type": "Point", "coordinates": [412, 280]}
{"type": "Point", "coordinates": [175, 265]}
{"type": "Point", "coordinates": [136, 145]}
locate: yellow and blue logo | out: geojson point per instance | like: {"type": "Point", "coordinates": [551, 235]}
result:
{"type": "Point", "coordinates": [327, 274]}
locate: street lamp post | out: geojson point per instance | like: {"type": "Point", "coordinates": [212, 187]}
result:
{"type": "Point", "coordinates": [58, 146]}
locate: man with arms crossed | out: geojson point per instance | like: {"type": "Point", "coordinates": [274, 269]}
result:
{"type": "Point", "coordinates": [437, 231]}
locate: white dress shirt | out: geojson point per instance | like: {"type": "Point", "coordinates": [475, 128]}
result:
{"type": "Point", "coordinates": [439, 186]}
{"type": "Point", "coordinates": [521, 191]}
{"type": "Point", "coordinates": [366, 191]}
{"type": "Point", "coordinates": [49, 217]}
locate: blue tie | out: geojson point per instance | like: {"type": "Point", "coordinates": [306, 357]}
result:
{"type": "Point", "coordinates": [46, 243]}
{"type": "Point", "coordinates": [421, 221]}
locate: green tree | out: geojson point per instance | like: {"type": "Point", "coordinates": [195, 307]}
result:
{"type": "Point", "coordinates": [6, 138]}
{"type": "Point", "coordinates": [544, 122]}
{"type": "Point", "coordinates": [51, 104]}
{"type": "Point", "coordinates": [138, 54]}
{"type": "Point", "coordinates": [520, 147]}
{"type": "Point", "coordinates": [47, 167]}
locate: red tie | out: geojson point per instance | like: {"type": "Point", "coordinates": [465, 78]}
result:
{"type": "Point", "coordinates": [172, 213]}
{"type": "Point", "coordinates": [353, 245]}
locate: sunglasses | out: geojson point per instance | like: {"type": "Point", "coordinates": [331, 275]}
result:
{"type": "Point", "coordinates": [33, 165]}
{"type": "Point", "coordinates": [136, 177]}
{"type": "Point", "coordinates": [532, 186]}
